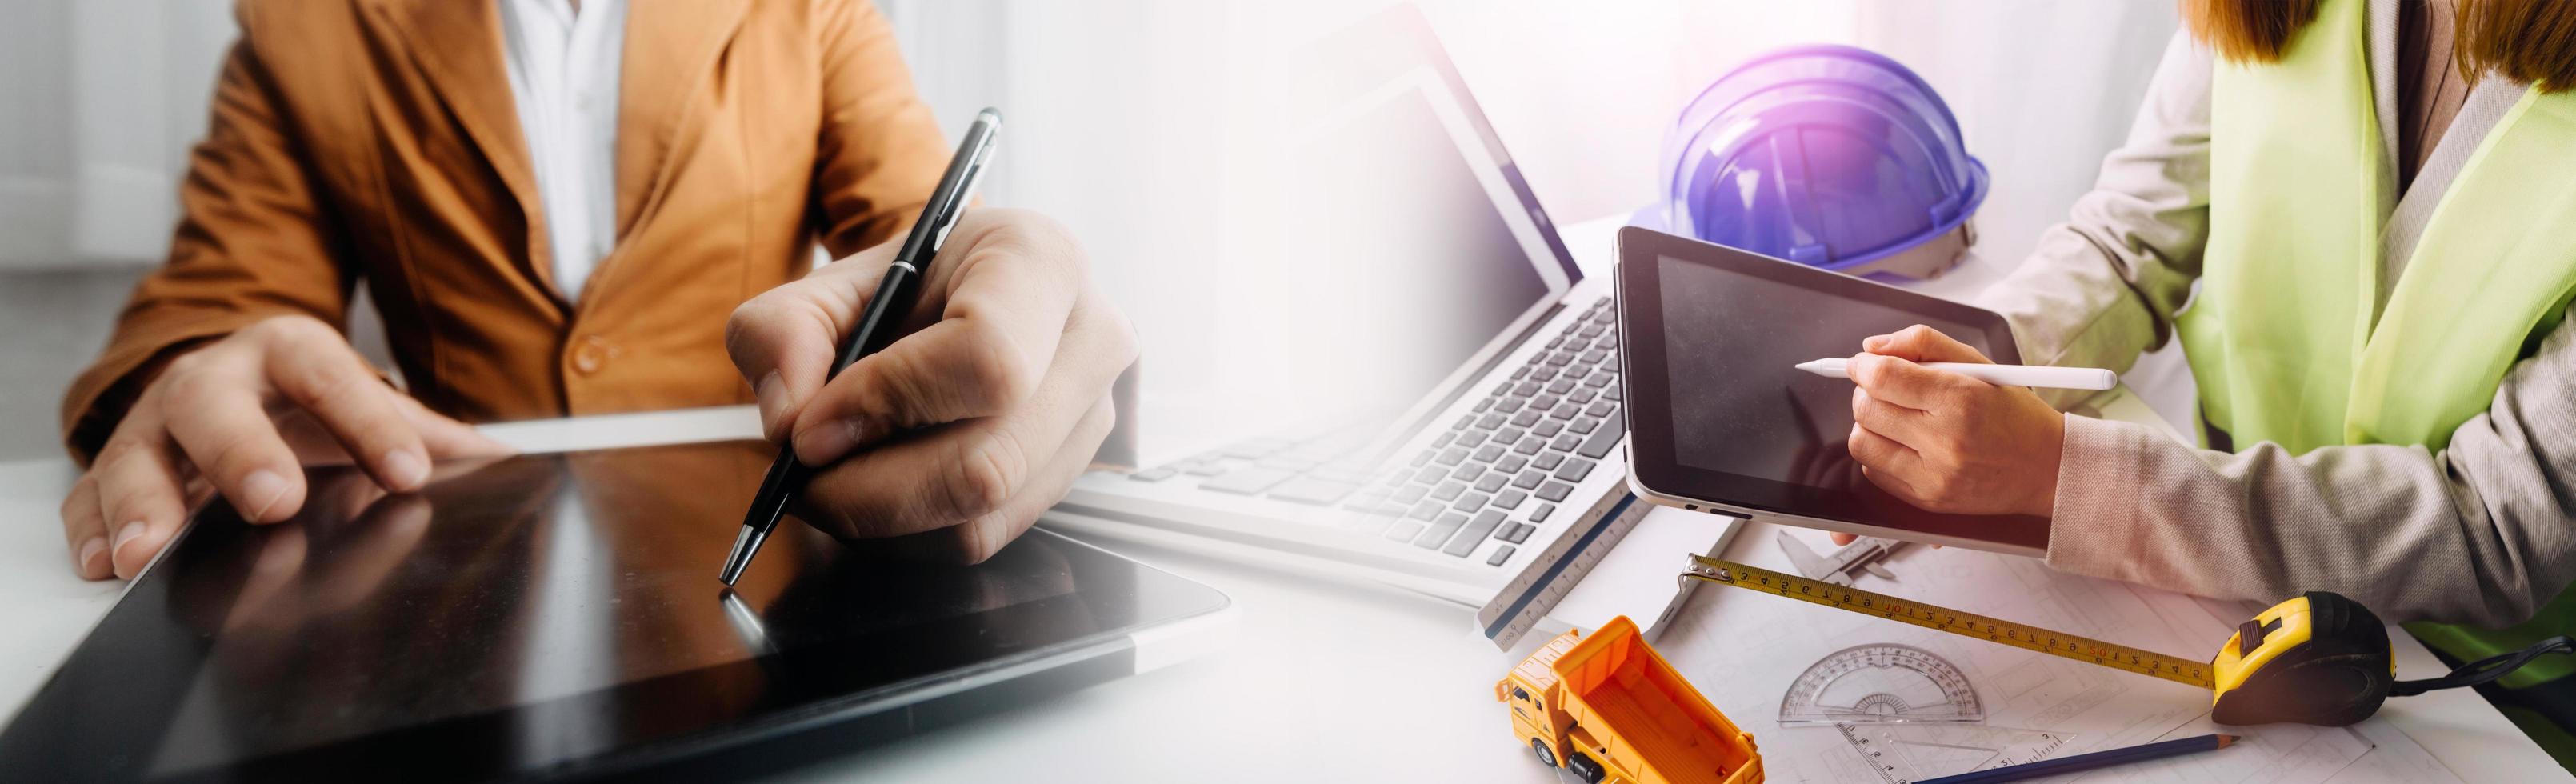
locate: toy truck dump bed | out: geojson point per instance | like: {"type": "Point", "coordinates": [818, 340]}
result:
{"type": "Point", "coordinates": [1614, 710]}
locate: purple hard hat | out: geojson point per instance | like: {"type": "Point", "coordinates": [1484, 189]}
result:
{"type": "Point", "coordinates": [1830, 156]}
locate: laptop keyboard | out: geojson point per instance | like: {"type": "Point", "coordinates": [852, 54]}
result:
{"type": "Point", "coordinates": [1494, 473]}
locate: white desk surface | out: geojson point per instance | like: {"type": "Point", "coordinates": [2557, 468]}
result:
{"type": "Point", "coordinates": [1321, 681]}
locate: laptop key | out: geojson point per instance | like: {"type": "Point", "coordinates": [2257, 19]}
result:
{"type": "Point", "coordinates": [1247, 481]}
{"type": "Point", "coordinates": [1555, 491]}
{"type": "Point", "coordinates": [1501, 554]}
{"type": "Point", "coordinates": [1511, 464]}
{"type": "Point", "coordinates": [1565, 441]}
{"type": "Point", "coordinates": [1529, 479]}
{"type": "Point", "coordinates": [1470, 439]}
{"type": "Point", "coordinates": [1310, 490]}
{"type": "Point", "coordinates": [1545, 401]}
{"type": "Point", "coordinates": [1404, 530]}
{"type": "Point", "coordinates": [1290, 463]}
{"type": "Point", "coordinates": [1430, 474]}
{"type": "Point", "coordinates": [1524, 418]}
{"type": "Point", "coordinates": [1599, 378]}
{"type": "Point", "coordinates": [1577, 344]}
{"type": "Point", "coordinates": [1575, 470]}
{"type": "Point", "coordinates": [1468, 472]}
{"type": "Point", "coordinates": [1527, 388]}
{"type": "Point", "coordinates": [1488, 453]}
{"type": "Point", "coordinates": [1448, 491]}
{"type": "Point", "coordinates": [1255, 448]}
{"type": "Point", "coordinates": [1509, 499]}
{"type": "Point", "coordinates": [1463, 421]}
{"type": "Point", "coordinates": [1595, 356]}
{"type": "Point", "coordinates": [1560, 386]}
{"type": "Point", "coordinates": [1491, 421]}
{"type": "Point", "coordinates": [1521, 371]}
{"type": "Point", "coordinates": [1368, 523]}
{"type": "Point", "coordinates": [1492, 481]}
{"type": "Point", "coordinates": [1444, 439]}
{"type": "Point", "coordinates": [1565, 411]}
{"type": "Point", "coordinates": [1410, 493]}
{"type": "Point", "coordinates": [1470, 502]}
{"type": "Point", "coordinates": [1154, 474]}
{"type": "Point", "coordinates": [1610, 392]}
{"type": "Point", "coordinates": [1451, 456]}
{"type": "Point", "coordinates": [1474, 534]}
{"type": "Point", "coordinates": [1426, 510]}
{"type": "Point", "coordinates": [1607, 437]}
{"type": "Point", "coordinates": [1440, 531]}
{"type": "Point", "coordinates": [1515, 533]}
{"type": "Point", "coordinates": [1600, 408]}
{"type": "Point", "coordinates": [1544, 373]}
{"type": "Point", "coordinates": [1504, 388]}
{"type": "Point", "coordinates": [1590, 330]}
{"type": "Point", "coordinates": [1548, 462]}
{"type": "Point", "coordinates": [1530, 445]}
{"type": "Point", "coordinates": [1583, 425]}
{"type": "Point", "coordinates": [1581, 395]}
{"type": "Point", "coordinates": [1422, 457]}
{"type": "Point", "coordinates": [1509, 434]}
{"type": "Point", "coordinates": [1539, 515]}
{"type": "Point", "coordinates": [1549, 428]}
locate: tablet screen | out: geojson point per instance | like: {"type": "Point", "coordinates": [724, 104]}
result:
{"type": "Point", "coordinates": [1719, 413]}
{"type": "Point", "coordinates": [541, 615]}
{"type": "Point", "coordinates": [1738, 404]}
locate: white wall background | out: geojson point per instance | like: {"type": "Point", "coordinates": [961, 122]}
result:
{"type": "Point", "coordinates": [1124, 114]}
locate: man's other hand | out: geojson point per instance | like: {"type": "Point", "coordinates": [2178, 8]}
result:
{"type": "Point", "coordinates": [957, 435]}
{"type": "Point", "coordinates": [242, 416]}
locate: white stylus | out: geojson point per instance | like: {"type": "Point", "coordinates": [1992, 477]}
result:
{"type": "Point", "coordinates": [1998, 375]}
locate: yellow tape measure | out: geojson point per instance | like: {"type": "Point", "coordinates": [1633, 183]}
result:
{"type": "Point", "coordinates": [2179, 669]}
{"type": "Point", "coordinates": [2319, 659]}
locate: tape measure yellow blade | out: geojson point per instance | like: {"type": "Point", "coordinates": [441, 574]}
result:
{"type": "Point", "coordinates": [2083, 649]}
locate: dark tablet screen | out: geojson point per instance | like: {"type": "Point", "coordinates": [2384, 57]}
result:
{"type": "Point", "coordinates": [545, 615]}
{"type": "Point", "coordinates": [1719, 412]}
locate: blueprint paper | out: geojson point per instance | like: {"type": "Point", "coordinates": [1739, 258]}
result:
{"type": "Point", "coordinates": [1745, 651]}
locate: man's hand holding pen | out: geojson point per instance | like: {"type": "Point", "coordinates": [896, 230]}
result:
{"type": "Point", "coordinates": [956, 436]}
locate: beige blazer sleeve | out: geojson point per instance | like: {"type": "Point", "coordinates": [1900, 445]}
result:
{"type": "Point", "coordinates": [2479, 532]}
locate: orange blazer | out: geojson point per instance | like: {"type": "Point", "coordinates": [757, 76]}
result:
{"type": "Point", "coordinates": [378, 141]}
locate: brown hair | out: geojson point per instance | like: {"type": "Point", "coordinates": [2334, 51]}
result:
{"type": "Point", "coordinates": [2530, 41]}
{"type": "Point", "coordinates": [2248, 31]}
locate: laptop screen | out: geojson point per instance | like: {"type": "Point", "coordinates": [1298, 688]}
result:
{"type": "Point", "coordinates": [1429, 268]}
{"type": "Point", "coordinates": [1400, 218]}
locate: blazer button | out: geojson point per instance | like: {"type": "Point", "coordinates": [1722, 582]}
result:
{"type": "Point", "coordinates": [592, 353]}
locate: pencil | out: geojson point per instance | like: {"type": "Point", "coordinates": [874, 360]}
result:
{"type": "Point", "coordinates": [2098, 759]}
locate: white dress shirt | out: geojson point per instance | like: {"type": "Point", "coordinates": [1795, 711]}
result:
{"type": "Point", "coordinates": [563, 68]}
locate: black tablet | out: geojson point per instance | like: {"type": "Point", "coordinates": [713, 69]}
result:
{"type": "Point", "coordinates": [558, 617]}
{"type": "Point", "coordinates": [1719, 420]}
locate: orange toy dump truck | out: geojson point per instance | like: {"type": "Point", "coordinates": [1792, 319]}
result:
{"type": "Point", "coordinates": [1611, 709]}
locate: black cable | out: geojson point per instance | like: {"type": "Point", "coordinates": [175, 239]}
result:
{"type": "Point", "coordinates": [2484, 670]}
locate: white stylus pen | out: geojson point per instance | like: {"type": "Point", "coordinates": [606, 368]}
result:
{"type": "Point", "coordinates": [1998, 375]}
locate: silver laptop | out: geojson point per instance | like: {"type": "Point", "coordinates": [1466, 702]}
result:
{"type": "Point", "coordinates": [1466, 442]}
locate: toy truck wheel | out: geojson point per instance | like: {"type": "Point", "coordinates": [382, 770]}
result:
{"type": "Point", "coordinates": [1545, 757]}
{"type": "Point", "coordinates": [1584, 768]}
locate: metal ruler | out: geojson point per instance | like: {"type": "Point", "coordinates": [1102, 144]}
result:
{"type": "Point", "coordinates": [2179, 669]}
{"type": "Point", "coordinates": [1518, 607]}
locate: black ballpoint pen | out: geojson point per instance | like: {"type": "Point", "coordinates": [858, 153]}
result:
{"type": "Point", "coordinates": [876, 326]}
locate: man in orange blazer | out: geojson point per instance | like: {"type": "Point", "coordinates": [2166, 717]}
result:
{"type": "Point", "coordinates": [556, 204]}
